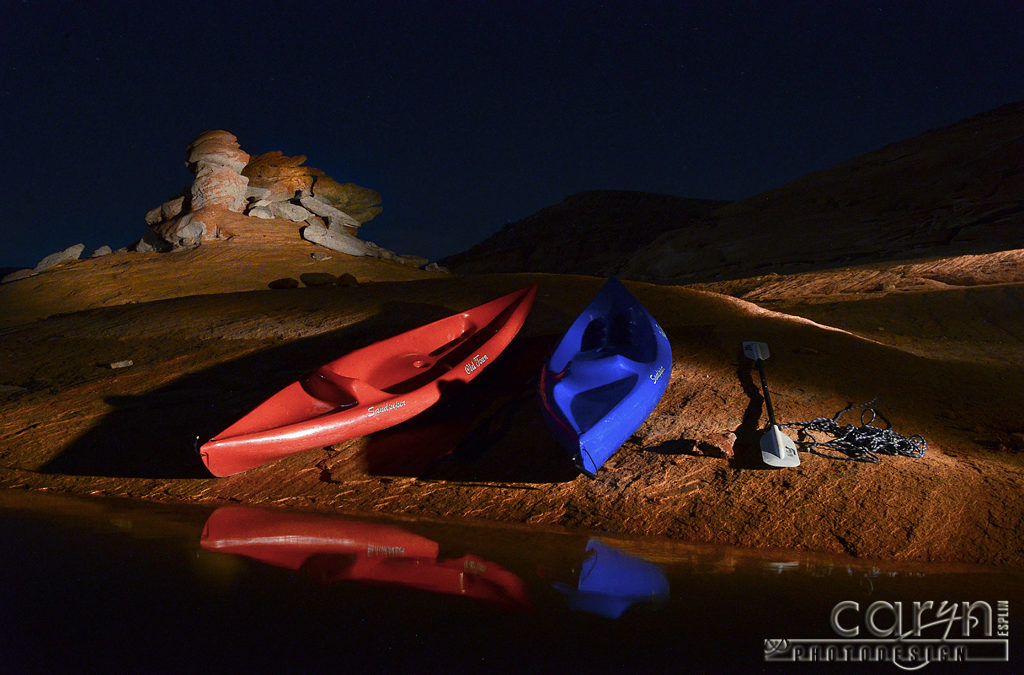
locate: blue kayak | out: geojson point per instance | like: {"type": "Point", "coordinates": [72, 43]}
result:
{"type": "Point", "coordinates": [605, 376]}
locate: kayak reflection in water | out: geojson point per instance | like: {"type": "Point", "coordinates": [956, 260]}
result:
{"type": "Point", "coordinates": [611, 581]}
{"type": "Point", "coordinates": [332, 550]}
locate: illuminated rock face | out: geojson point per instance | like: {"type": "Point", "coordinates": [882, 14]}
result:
{"type": "Point", "coordinates": [285, 178]}
{"type": "Point", "coordinates": [267, 186]}
{"type": "Point", "coordinates": [272, 187]}
{"type": "Point", "coordinates": [218, 185]}
{"type": "Point", "coordinates": [217, 148]}
{"type": "Point", "coordinates": [216, 160]}
{"type": "Point", "coordinates": [280, 175]}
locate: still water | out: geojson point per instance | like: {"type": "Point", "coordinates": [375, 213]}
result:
{"type": "Point", "coordinates": [102, 585]}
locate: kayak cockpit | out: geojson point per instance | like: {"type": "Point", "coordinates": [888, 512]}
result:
{"type": "Point", "coordinates": [339, 391]}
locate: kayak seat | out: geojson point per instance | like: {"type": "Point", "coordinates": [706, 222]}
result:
{"type": "Point", "coordinates": [592, 369]}
{"type": "Point", "coordinates": [619, 333]}
{"type": "Point", "coordinates": [407, 372]}
{"type": "Point", "coordinates": [337, 390]}
{"type": "Point", "coordinates": [589, 407]}
{"type": "Point", "coordinates": [593, 383]}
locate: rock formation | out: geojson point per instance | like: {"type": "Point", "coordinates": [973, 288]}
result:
{"type": "Point", "coordinates": [271, 186]}
{"type": "Point", "coordinates": [282, 187]}
{"type": "Point", "coordinates": [335, 239]}
{"type": "Point", "coordinates": [16, 275]}
{"type": "Point", "coordinates": [217, 161]}
{"type": "Point", "coordinates": [69, 254]}
{"type": "Point", "coordinates": [267, 186]}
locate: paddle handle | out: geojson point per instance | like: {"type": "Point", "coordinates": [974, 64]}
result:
{"type": "Point", "coordinates": [767, 396]}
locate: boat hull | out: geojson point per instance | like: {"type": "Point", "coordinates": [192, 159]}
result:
{"type": "Point", "coordinates": [371, 388]}
{"type": "Point", "coordinates": [605, 377]}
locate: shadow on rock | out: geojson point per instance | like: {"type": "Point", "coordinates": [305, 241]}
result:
{"type": "Point", "coordinates": [686, 446]}
{"type": "Point", "coordinates": [489, 429]}
{"type": "Point", "coordinates": [154, 435]}
{"type": "Point", "coordinates": [747, 452]}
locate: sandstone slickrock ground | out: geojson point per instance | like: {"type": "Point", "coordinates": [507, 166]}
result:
{"type": "Point", "coordinates": [200, 361]}
{"type": "Point", "coordinates": [255, 254]}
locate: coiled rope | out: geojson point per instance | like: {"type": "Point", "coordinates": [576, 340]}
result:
{"type": "Point", "coordinates": [858, 443]}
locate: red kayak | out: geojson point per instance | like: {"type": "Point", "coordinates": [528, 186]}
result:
{"type": "Point", "coordinates": [371, 388]}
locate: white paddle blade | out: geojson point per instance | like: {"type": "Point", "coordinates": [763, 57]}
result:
{"type": "Point", "coordinates": [756, 351]}
{"type": "Point", "coordinates": [778, 449]}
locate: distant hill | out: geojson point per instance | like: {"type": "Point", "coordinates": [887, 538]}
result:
{"type": "Point", "coordinates": [950, 191]}
{"type": "Point", "coordinates": [588, 233]}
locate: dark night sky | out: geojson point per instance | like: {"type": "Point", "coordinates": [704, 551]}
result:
{"type": "Point", "coordinates": [467, 115]}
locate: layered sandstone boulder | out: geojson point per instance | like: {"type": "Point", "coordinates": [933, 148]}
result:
{"type": "Point", "coordinates": [216, 160]}
{"type": "Point", "coordinates": [218, 148]}
{"type": "Point", "coordinates": [69, 254]}
{"type": "Point", "coordinates": [286, 178]}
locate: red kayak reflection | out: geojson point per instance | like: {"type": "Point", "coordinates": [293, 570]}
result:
{"type": "Point", "coordinates": [332, 549]}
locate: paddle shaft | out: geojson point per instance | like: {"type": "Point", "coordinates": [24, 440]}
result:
{"type": "Point", "coordinates": [767, 396]}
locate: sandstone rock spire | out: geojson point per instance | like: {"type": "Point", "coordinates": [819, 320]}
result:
{"type": "Point", "coordinates": [216, 160]}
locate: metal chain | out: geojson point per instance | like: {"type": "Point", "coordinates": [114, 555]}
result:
{"type": "Point", "coordinates": [863, 443]}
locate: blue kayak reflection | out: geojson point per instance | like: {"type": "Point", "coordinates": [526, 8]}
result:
{"type": "Point", "coordinates": [611, 581]}
{"type": "Point", "coordinates": [330, 549]}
